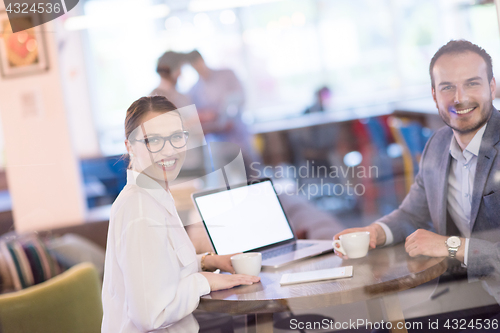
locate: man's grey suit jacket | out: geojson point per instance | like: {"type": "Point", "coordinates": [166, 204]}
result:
{"type": "Point", "coordinates": [425, 206]}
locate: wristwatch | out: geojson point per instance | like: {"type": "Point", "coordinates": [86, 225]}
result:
{"type": "Point", "coordinates": [453, 244]}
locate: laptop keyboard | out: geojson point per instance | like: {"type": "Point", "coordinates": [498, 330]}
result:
{"type": "Point", "coordinates": [284, 250]}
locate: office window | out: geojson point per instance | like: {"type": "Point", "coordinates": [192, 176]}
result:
{"type": "Point", "coordinates": [367, 51]}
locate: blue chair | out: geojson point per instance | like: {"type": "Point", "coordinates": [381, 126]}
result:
{"type": "Point", "coordinates": [104, 178]}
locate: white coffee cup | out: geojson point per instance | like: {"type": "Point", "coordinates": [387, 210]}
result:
{"type": "Point", "coordinates": [353, 245]}
{"type": "Point", "coordinates": [247, 263]}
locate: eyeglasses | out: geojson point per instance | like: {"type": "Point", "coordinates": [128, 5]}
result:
{"type": "Point", "coordinates": [156, 143]}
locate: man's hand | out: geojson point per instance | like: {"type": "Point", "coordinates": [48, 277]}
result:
{"type": "Point", "coordinates": [226, 281]}
{"type": "Point", "coordinates": [377, 236]}
{"type": "Point", "coordinates": [426, 243]}
{"type": "Point", "coordinates": [220, 262]}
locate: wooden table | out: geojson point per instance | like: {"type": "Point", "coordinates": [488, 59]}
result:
{"type": "Point", "coordinates": [381, 274]}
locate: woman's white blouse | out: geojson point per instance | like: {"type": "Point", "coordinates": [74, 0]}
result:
{"type": "Point", "coordinates": [151, 277]}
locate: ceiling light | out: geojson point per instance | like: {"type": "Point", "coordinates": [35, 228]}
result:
{"type": "Point", "coordinates": [209, 5]}
{"type": "Point", "coordinates": [126, 15]}
{"type": "Point", "coordinates": [227, 17]}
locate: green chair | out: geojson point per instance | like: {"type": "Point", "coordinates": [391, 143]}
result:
{"type": "Point", "coordinates": [69, 302]}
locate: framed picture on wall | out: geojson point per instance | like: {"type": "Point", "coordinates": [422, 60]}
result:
{"type": "Point", "coordinates": [22, 53]}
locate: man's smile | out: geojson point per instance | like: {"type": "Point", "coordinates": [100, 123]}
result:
{"type": "Point", "coordinates": [462, 111]}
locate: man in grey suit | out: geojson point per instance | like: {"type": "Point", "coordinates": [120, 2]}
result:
{"type": "Point", "coordinates": [453, 208]}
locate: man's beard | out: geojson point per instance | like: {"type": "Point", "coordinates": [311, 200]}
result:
{"type": "Point", "coordinates": [485, 116]}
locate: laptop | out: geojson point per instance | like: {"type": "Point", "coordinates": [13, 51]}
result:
{"type": "Point", "coordinates": [249, 218]}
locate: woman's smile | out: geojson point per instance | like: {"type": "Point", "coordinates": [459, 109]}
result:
{"type": "Point", "coordinates": [167, 164]}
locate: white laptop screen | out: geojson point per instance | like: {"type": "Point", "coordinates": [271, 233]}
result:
{"type": "Point", "coordinates": [244, 218]}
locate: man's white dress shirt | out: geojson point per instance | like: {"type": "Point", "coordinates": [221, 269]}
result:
{"type": "Point", "coordinates": [151, 277]}
{"type": "Point", "coordinates": [460, 187]}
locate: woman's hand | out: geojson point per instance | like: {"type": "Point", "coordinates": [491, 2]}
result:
{"type": "Point", "coordinates": [226, 281]}
{"type": "Point", "coordinates": [219, 262]}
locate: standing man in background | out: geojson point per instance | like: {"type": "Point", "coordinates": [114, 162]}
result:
{"type": "Point", "coordinates": [219, 99]}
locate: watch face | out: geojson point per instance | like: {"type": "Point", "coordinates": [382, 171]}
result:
{"type": "Point", "coordinates": [453, 241]}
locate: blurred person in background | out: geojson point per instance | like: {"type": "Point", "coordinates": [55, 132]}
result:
{"type": "Point", "coordinates": [219, 99]}
{"type": "Point", "coordinates": [169, 68]}
{"type": "Point", "coordinates": [322, 100]}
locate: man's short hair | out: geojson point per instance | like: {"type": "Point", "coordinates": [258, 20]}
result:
{"type": "Point", "coordinates": [462, 46]}
{"type": "Point", "coordinates": [193, 56]}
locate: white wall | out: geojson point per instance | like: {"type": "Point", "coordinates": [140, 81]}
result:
{"type": "Point", "coordinates": [41, 164]}
{"type": "Point", "coordinates": [75, 88]}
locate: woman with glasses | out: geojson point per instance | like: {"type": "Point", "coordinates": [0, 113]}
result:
{"type": "Point", "coordinates": [152, 275]}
